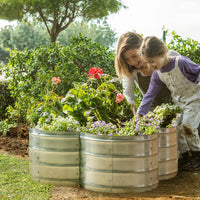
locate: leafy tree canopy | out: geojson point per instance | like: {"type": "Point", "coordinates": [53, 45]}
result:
{"type": "Point", "coordinates": [57, 15]}
{"type": "Point", "coordinates": [32, 35]}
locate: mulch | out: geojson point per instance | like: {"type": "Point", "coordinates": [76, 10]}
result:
{"type": "Point", "coordinates": [16, 141]}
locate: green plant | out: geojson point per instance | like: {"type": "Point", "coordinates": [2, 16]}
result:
{"type": "Point", "coordinates": [5, 126]}
{"type": "Point", "coordinates": [140, 126]}
{"type": "Point", "coordinates": [134, 126]}
{"type": "Point", "coordinates": [30, 71]}
{"type": "Point", "coordinates": [5, 98]}
{"type": "Point", "coordinates": [58, 123]}
{"type": "Point", "coordinates": [166, 113]}
{"type": "Point", "coordinates": [100, 128]}
{"type": "Point", "coordinates": [98, 95]}
{"type": "Point", "coordinates": [58, 15]}
{"type": "Point", "coordinates": [186, 47]}
{"type": "Point", "coordinates": [4, 55]}
{"type": "Point", "coordinates": [48, 109]}
{"type": "Point", "coordinates": [48, 115]}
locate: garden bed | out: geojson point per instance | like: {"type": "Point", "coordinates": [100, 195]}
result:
{"type": "Point", "coordinates": [185, 185]}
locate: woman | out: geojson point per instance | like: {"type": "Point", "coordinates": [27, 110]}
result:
{"type": "Point", "coordinates": [131, 69]}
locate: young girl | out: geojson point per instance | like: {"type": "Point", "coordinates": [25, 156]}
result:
{"type": "Point", "coordinates": [182, 77]}
{"type": "Point", "coordinates": [132, 69]}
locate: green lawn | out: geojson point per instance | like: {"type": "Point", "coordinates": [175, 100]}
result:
{"type": "Point", "coordinates": [16, 183]}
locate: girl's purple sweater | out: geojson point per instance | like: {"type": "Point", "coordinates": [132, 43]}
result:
{"type": "Point", "coordinates": [189, 69]}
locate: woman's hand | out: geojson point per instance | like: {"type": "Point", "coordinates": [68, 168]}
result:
{"type": "Point", "coordinates": [133, 109]}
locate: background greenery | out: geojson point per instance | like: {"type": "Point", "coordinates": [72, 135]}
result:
{"type": "Point", "coordinates": [31, 71]}
{"type": "Point", "coordinates": [57, 15]}
{"type": "Point", "coordinates": [31, 35]}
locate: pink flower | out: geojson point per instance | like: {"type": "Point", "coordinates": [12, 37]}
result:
{"type": "Point", "coordinates": [95, 73]}
{"type": "Point", "coordinates": [56, 80]}
{"type": "Point", "coordinates": [119, 97]}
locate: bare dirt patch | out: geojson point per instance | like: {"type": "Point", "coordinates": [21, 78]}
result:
{"type": "Point", "coordinates": [185, 186]}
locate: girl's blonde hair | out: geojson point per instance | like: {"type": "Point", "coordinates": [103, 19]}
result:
{"type": "Point", "coordinates": [129, 40]}
{"type": "Point", "coordinates": [152, 47]}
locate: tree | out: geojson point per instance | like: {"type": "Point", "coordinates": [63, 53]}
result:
{"type": "Point", "coordinates": [101, 34]}
{"type": "Point", "coordinates": [57, 15]}
{"type": "Point", "coordinates": [4, 55]}
{"type": "Point", "coordinates": [30, 35]}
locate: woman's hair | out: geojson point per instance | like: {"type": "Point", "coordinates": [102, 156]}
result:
{"type": "Point", "coordinates": [129, 40]}
{"type": "Point", "coordinates": [152, 47]}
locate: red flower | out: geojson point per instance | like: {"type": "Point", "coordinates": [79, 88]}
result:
{"type": "Point", "coordinates": [97, 76]}
{"type": "Point", "coordinates": [56, 80]}
{"type": "Point", "coordinates": [119, 97]}
{"type": "Point", "coordinates": [95, 73]}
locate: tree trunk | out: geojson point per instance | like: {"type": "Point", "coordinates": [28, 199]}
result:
{"type": "Point", "coordinates": [53, 37]}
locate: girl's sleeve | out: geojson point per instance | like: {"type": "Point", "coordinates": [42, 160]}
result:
{"type": "Point", "coordinates": [190, 69]}
{"type": "Point", "coordinates": [128, 88]}
{"type": "Point", "coordinates": [154, 87]}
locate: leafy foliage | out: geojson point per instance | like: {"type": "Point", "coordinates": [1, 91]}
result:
{"type": "Point", "coordinates": [99, 98]}
{"type": "Point", "coordinates": [101, 34]}
{"type": "Point", "coordinates": [58, 15]}
{"type": "Point", "coordinates": [27, 35]}
{"type": "Point", "coordinates": [31, 71]}
{"type": "Point", "coordinates": [67, 124]}
{"type": "Point", "coordinates": [5, 98]}
{"type": "Point", "coordinates": [4, 55]}
{"type": "Point", "coordinates": [186, 47]}
{"type": "Point", "coordinates": [99, 128]}
{"type": "Point", "coordinates": [23, 36]}
{"type": "Point", "coordinates": [145, 125]}
{"type": "Point", "coordinates": [166, 113]}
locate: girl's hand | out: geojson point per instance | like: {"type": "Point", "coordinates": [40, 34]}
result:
{"type": "Point", "coordinates": [138, 115]}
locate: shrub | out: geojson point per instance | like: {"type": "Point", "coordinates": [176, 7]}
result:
{"type": "Point", "coordinates": [186, 47]}
{"type": "Point", "coordinates": [31, 71]}
{"type": "Point", "coordinates": [5, 98]}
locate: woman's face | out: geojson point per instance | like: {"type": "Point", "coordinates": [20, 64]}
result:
{"type": "Point", "coordinates": [132, 57]}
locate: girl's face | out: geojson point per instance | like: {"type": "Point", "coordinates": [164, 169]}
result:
{"type": "Point", "coordinates": [156, 62]}
{"type": "Point", "coordinates": [132, 57]}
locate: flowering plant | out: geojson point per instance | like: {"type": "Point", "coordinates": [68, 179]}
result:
{"type": "Point", "coordinates": [95, 73]}
{"type": "Point", "coordinates": [59, 123]}
{"type": "Point", "coordinates": [167, 114]}
{"type": "Point", "coordinates": [51, 106]}
{"type": "Point", "coordinates": [140, 126]}
{"type": "Point", "coordinates": [100, 96]}
{"type": "Point", "coordinates": [48, 115]}
{"type": "Point", "coordinates": [100, 128]}
{"type": "Point", "coordinates": [56, 80]}
{"type": "Point", "coordinates": [119, 97]}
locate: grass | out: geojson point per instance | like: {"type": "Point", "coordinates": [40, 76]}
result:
{"type": "Point", "coordinates": [16, 183]}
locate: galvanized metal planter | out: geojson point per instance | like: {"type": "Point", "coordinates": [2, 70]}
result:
{"type": "Point", "coordinates": [119, 164]}
{"type": "Point", "coordinates": [54, 157]}
{"type": "Point", "coordinates": [168, 153]}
